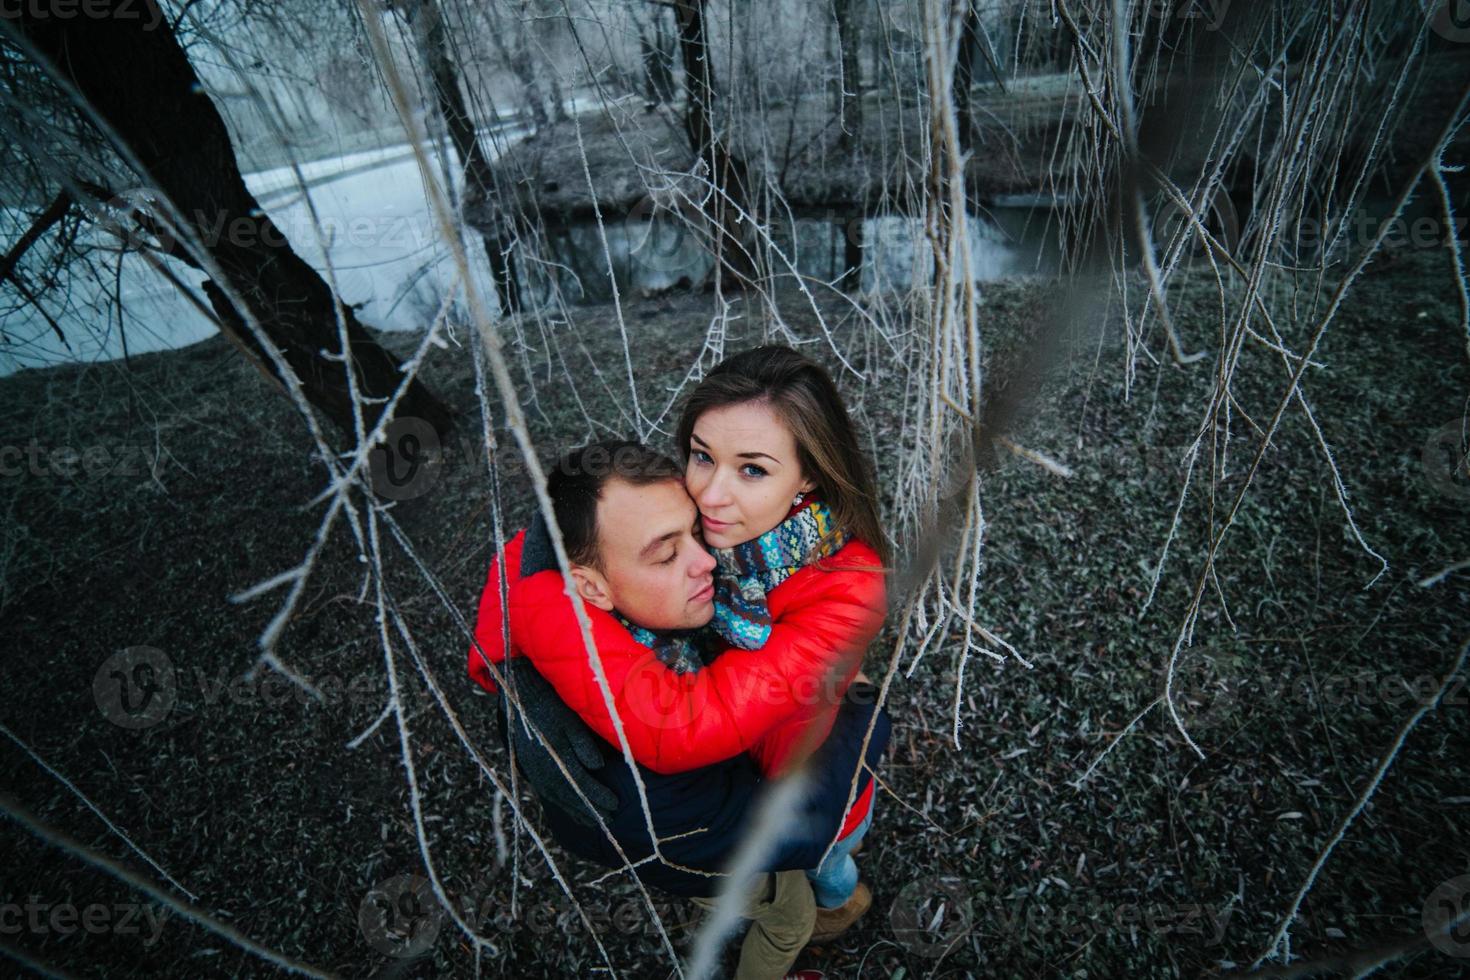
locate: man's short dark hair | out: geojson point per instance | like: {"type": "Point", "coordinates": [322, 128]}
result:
{"type": "Point", "coordinates": [575, 485]}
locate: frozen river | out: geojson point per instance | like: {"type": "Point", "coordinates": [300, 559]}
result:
{"type": "Point", "coordinates": [383, 247]}
{"type": "Point", "coordinates": [391, 263]}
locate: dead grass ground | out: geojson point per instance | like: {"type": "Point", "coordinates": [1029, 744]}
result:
{"type": "Point", "coordinates": [1162, 865]}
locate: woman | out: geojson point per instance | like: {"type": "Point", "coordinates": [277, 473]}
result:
{"type": "Point", "coordinates": [773, 464]}
{"type": "Point", "coordinates": [788, 506]}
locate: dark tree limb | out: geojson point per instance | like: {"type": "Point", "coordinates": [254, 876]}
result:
{"type": "Point", "coordinates": [35, 302]}
{"type": "Point", "coordinates": [54, 212]}
{"type": "Point", "coordinates": [48, 219]}
{"type": "Point", "coordinates": [964, 75]}
{"type": "Point", "coordinates": [139, 83]}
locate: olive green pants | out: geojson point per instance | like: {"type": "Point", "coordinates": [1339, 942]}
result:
{"type": "Point", "coordinates": [781, 910]}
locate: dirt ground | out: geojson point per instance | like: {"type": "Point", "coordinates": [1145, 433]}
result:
{"type": "Point", "coordinates": [190, 482]}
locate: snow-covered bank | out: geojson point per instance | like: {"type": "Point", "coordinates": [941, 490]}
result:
{"type": "Point", "coordinates": [372, 223]}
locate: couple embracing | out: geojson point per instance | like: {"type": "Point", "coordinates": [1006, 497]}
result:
{"type": "Point", "coordinates": [731, 601]}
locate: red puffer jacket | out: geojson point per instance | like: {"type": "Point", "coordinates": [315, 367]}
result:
{"type": "Point", "coordinates": [490, 624]}
{"type": "Point", "coordinates": [772, 702]}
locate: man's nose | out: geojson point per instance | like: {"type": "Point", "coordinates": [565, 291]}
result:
{"type": "Point", "coordinates": [703, 563]}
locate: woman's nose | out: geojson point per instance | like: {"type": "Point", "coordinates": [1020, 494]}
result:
{"type": "Point", "coordinates": [713, 494]}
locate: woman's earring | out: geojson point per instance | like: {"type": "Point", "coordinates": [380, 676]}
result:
{"type": "Point", "coordinates": [796, 502]}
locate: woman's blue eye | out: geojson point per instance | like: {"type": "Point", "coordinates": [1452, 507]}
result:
{"type": "Point", "coordinates": [750, 469]}
{"type": "Point", "coordinates": [700, 456]}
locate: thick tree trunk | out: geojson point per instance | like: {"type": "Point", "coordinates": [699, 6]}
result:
{"type": "Point", "coordinates": [558, 100]}
{"type": "Point", "coordinates": [428, 33]}
{"type": "Point", "coordinates": [657, 50]}
{"type": "Point", "coordinates": [130, 68]}
{"type": "Point", "coordinates": [851, 105]}
{"type": "Point", "coordinates": [964, 75]}
{"type": "Point", "coordinates": [734, 245]}
{"type": "Point", "coordinates": [851, 279]}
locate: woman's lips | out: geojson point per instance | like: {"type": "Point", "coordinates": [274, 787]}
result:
{"type": "Point", "coordinates": [713, 525]}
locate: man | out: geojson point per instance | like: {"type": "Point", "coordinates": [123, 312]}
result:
{"type": "Point", "coordinates": [631, 534]}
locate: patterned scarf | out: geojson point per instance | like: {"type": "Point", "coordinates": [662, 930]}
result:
{"type": "Point", "coordinates": [744, 575]}
{"type": "Point", "coordinates": [682, 651]}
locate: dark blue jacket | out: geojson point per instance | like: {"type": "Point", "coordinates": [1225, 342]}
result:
{"type": "Point", "coordinates": [723, 799]}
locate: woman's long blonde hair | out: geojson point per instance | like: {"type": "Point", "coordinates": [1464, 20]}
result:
{"type": "Point", "coordinates": [802, 393]}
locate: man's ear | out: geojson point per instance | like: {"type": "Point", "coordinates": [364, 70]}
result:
{"type": "Point", "coordinates": [592, 587]}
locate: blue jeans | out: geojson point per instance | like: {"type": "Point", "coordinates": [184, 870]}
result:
{"type": "Point", "coordinates": [835, 880]}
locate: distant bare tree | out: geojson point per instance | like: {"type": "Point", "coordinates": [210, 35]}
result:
{"type": "Point", "coordinates": [510, 29]}
{"type": "Point", "coordinates": [430, 38]}
{"type": "Point", "coordinates": [657, 48]}
{"type": "Point", "coordinates": [725, 169]}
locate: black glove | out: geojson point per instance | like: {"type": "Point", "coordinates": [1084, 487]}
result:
{"type": "Point", "coordinates": [568, 735]}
